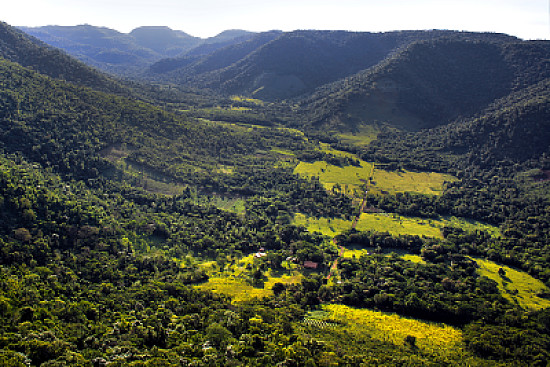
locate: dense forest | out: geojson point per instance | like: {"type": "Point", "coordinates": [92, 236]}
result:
{"type": "Point", "coordinates": [125, 204]}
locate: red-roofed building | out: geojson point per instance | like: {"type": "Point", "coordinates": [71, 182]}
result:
{"type": "Point", "coordinates": [310, 264]}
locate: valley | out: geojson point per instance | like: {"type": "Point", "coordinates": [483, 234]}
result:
{"type": "Point", "coordinates": [306, 198]}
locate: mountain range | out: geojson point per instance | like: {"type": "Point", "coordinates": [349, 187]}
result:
{"type": "Point", "coordinates": [123, 53]}
{"type": "Point", "coordinates": [305, 198]}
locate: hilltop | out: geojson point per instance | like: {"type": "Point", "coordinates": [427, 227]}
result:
{"type": "Point", "coordinates": [126, 53]}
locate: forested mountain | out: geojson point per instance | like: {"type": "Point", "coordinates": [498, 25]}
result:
{"type": "Point", "coordinates": [430, 83]}
{"type": "Point", "coordinates": [125, 54]}
{"type": "Point", "coordinates": [297, 62]}
{"type": "Point", "coordinates": [16, 46]}
{"type": "Point", "coordinates": [182, 231]}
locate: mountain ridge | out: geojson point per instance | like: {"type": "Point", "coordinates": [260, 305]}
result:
{"type": "Point", "coordinates": [125, 53]}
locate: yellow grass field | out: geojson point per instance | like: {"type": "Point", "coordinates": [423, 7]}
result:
{"type": "Point", "coordinates": [239, 290]}
{"type": "Point", "coordinates": [350, 178]}
{"type": "Point", "coordinates": [431, 338]}
{"type": "Point", "coordinates": [353, 179]}
{"type": "Point", "coordinates": [364, 136]}
{"type": "Point", "coordinates": [516, 286]}
{"type": "Point", "coordinates": [232, 280]}
{"type": "Point", "coordinates": [391, 223]}
{"type": "Point", "coordinates": [427, 183]}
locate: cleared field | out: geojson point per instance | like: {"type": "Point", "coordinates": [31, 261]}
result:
{"type": "Point", "coordinates": [353, 179]}
{"type": "Point", "coordinates": [413, 258]}
{"type": "Point", "coordinates": [430, 338]}
{"type": "Point", "coordinates": [249, 100]}
{"type": "Point", "coordinates": [391, 223]}
{"type": "Point", "coordinates": [364, 136]}
{"type": "Point", "coordinates": [350, 178]}
{"type": "Point", "coordinates": [516, 286]}
{"type": "Point", "coordinates": [232, 281]}
{"type": "Point", "coordinates": [239, 290]}
{"type": "Point", "coordinates": [427, 183]}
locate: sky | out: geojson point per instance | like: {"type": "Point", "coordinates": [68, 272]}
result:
{"type": "Point", "coordinates": [526, 19]}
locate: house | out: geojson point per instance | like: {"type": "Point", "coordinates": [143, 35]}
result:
{"type": "Point", "coordinates": [310, 264]}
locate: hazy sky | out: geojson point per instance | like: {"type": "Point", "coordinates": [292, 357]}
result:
{"type": "Point", "coordinates": [527, 19]}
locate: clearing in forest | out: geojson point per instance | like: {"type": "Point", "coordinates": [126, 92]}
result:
{"type": "Point", "coordinates": [393, 224]}
{"type": "Point", "coordinates": [352, 180]}
{"type": "Point", "coordinates": [516, 286]}
{"type": "Point", "coordinates": [364, 135]}
{"type": "Point", "coordinates": [430, 338]}
{"type": "Point", "coordinates": [234, 280]}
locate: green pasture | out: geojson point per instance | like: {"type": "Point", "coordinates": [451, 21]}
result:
{"type": "Point", "coordinates": [392, 223]}
{"type": "Point", "coordinates": [440, 340]}
{"type": "Point", "coordinates": [354, 179]}
{"type": "Point", "coordinates": [516, 286]}
{"type": "Point", "coordinates": [362, 136]}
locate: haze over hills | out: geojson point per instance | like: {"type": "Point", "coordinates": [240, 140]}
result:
{"type": "Point", "coordinates": [122, 53]}
{"type": "Point", "coordinates": [307, 198]}
{"type": "Point", "coordinates": [16, 46]}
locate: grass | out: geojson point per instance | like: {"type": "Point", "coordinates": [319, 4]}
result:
{"type": "Point", "coordinates": [353, 179]}
{"type": "Point", "coordinates": [516, 286]}
{"type": "Point", "coordinates": [249, 100]}
{"type": "Point", "coordinates": [413, 258]}
{"type": "Point", "coordinates": [392, 182]}
{"type": "Point", "coordinates": [232, 281]}
{"type": "Point", "coordinates": [350, 178]}
{"type": "Point", "coordinates": [364, 135]}
{"type": "Point", "coordinates": [431, 338]}
{"type": "Point", "coordinates": [393, 224]}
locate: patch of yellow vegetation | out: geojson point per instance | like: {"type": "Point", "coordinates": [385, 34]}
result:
{"type": "Point", "coordinates": [283, 152]}
{"type": "Point", "coordinates": [432, 338]}
{"type": "Point", "coordinates": [516, 286]}
{"type": "Point", "coordinates": [350, 178]}
{"type": "Point", "coordinates": [232, 281]}
{"type": "Point", "coordinates": [379, 222]}
{"type": "Point", "coordinates": [249, 100]}
{"type": "Point", "coordinates": [363, 137]}
{"type": "Point", "coordinates": [414, 258]}
{"type": "Point", "coordinates": [239, 290]}
{"type": "Point", "coordinates": [353, 179]}
{"type": "Point", "coordinates": [427, 183]}
{"type": "Point", "coordinates": [354, 252]}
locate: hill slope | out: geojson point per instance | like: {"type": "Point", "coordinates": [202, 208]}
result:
{"type": "Point", "coordinates": [296, 63]}
{"type": "Point", "coordinates": [430, 83]}
{"type": "Point", "coordinates": [18, 47]}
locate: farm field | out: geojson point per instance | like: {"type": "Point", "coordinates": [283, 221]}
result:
{"type": "Point", "coordinates": [364, 136]}
{"type": "Point", "coordinates": [353, 179]}
{"type": "Point", "coordinates": [430, 338]}
{"type": "Point", "coordinates": [516, 286]}
{"type": "Point", "coordinates": [391, 223]}
{"type": "Point", "coordinates": [350, 178]}
{"type": "Point", "coordinates": [392, 182]}
{"type": "Point", "coordinates": [233, 280]}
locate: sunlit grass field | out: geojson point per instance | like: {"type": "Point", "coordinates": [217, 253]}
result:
{"type": "Point", "coordinates": [239, 290]}
{"type": "Point", "coordinates": [516, 286]}
{"type": "Point", "coordinates": [353, 179]}
{"type": "Point", "coordinates": [431, 338]}
{"type": "Point", "coordinates": [391, 223]}
{"type": "Point", "coordinates": [350, 178]}
{"type": "Point", "coordinates": [364, 136]}
{"type": "Point", "coordinates": [232, 280]}
{"type": "Point", "coordinates": [427, 183]}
